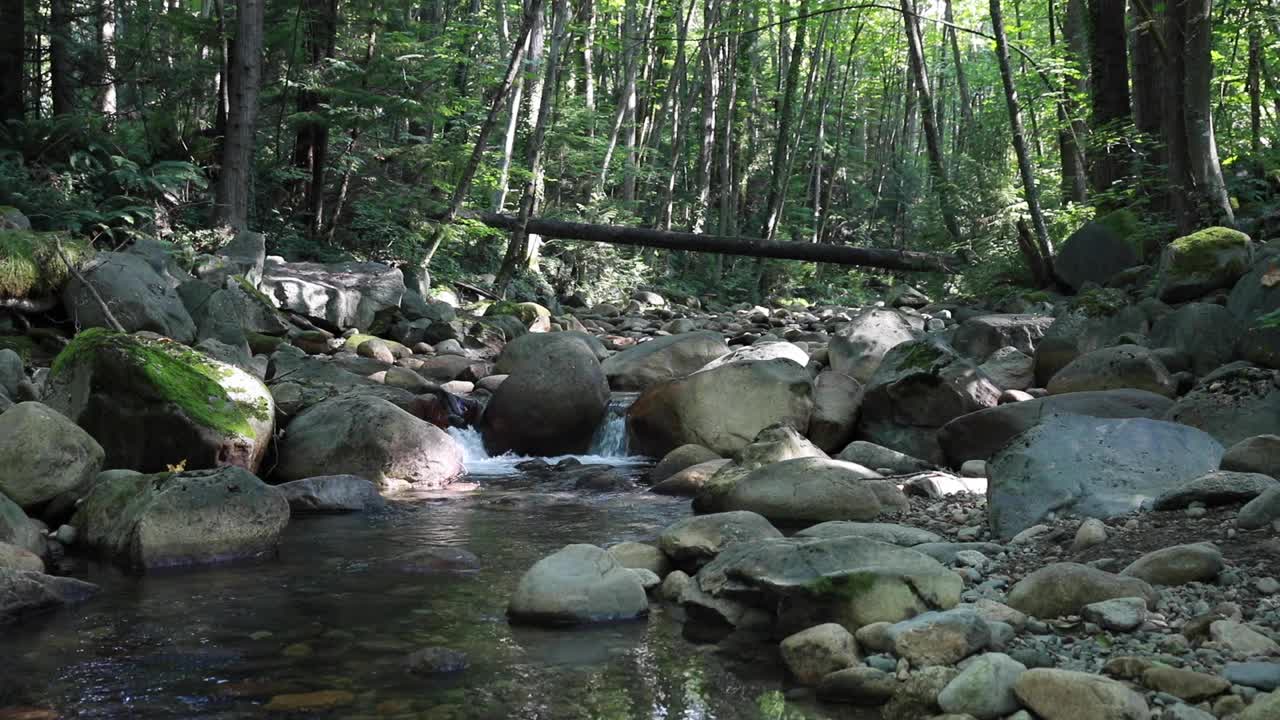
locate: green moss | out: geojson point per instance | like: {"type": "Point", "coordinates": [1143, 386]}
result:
{"type": "Point", "coordinates": [528, 312]}
{"type": "Point", "coordinates": [845, 587]}
{"type": "Point", "coordinates": [1200, 252]}
{"type": "Point", "coordinates": [1269, 320]}
{"type": "Point", "coordinates": [1037, 296]}
{"type": "Point", "coordinates": [354, 342]}
{"type": "Point", "coordinates": [20, 344]}
{"type": "Point", "coordinates": [177, 373]}
{"type": "Point", "coordinates": [1101, 302]}
{"type": "Point", "coordinates": [921, 356]}
{"type": "Point", "coordinates": [29, 263]}
{"type": "Point", "coordinates": [255, 293]}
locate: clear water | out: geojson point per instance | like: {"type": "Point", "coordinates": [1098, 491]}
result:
{"type": "Point", "coordinates": [349, 597]}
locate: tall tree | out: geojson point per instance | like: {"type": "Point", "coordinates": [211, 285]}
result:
{"type": "Point", "coordinates": [60, 87]}
{"type": "Point", "coordinates": [933, 141]}
{"type": "Point", "coordinates": [235, 177]}
{"type": "Point", "coordinates": [778, 175]}
{"type": "Point", "coordinates": [13, 45]}
{"type": "Point", "coordinates": [1075, 83]}
{"type": "Point", "coordinates": [1109, 90]}
{"type": "Point", "coordinates": [1202, 146]}
{"type": "Point", "coordinates": [311, 148]}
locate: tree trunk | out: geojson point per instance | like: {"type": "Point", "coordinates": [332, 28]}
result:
{"type": "Point", "coordinates": [933, 143]}
{"type": "Point", "coordinates": [778, 176]}
{"type": "Point", "coordinates": [235, 178]}
{"type": "Point", "coordinates": [1075, 178]}
{"type": "Point", "coordinates": [1174, 125]}
{"type": "Point", "coordinates": [1109, 66]}
{"type": "Point", "coordinates": [1254, 83]}
{"type": "Point", "coordinates": [1202, 147]}
{"type": "Point", "coordinates": [962, 83]}
{"type": "Point", "coordinates": [588, 50]}
{"type": "Point", "coordinates": [13, 44]}
{"type": "Point", "coordinates": [60, 87]}
{"type": "Point", "coordinates": [1019, 139]}
{"type": "Point", "coordinates": [311, 148]}
{"type": "Point", "coordinates": [710, 96]}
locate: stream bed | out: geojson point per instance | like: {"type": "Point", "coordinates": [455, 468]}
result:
{"type": "Point", "coordinates": [349, 597]}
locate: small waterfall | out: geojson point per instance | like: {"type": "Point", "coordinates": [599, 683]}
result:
{"type": "Point", "coordinates": [608, 445]}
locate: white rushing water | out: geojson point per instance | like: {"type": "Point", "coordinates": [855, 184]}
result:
{"type": "Point", "coordinates": [608, 446]}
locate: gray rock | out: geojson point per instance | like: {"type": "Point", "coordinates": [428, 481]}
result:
{"type": "Point", "coordinates": [814, 653]}
{"type": "Point", "coordinates": [25, 592]}
{"type": "Point", "coordinates": [17, 529]}
{"type": "Point", "coordinates": [12, 372]}
{"type": "Point", "coordinates": [857, 348]}
{"type": "Point", "coordinates": [1240, 638]}
{"type": "Point", "coordinates": [678, 459]}
{"type": "Point", "coordinates": [984, 688]}
{"type": "Point", "coordinates": [1196, 264]}
{"type": "Point", "coordinates": [1205, 332]}
{"type": "Point", "coordinates": [979, 435]}
{"type": "Point", "coordinates": [871, 455]}
{"type": "Point", "coordinates": [16, 558]}
{"type": "Point", "coordinates": [176, 519]}
{"type": "Point", "coordinates": [1114, 368]}
{"type": "Point", "coordinates": [244, 255]}
{"type": "Point", "coordinates": [1257, 293]}
{"type": "Point", "coordinates": [979, 337]}
{"type": "Point", "coordinates": [1096, 467]}
{"type": "Point", "coordinates": [695, 541]}
{"type": "Point", "coordinates": [1094, 320]}
{"type": "Point", "coordinates": [1260, 511]}
{"type": "Point", "coordinates": [44, 455]}
{"type": "Point", "coordinates": [345, 295]}
{"type": "Point", "coordinates": [1237, 402]}
{"type": "Point", "coordinates": [577, 584]}
{"type": "Point", "coordinates": [1117, 614]}
{"type": "Point", "coordinates": [903, 535]}
{"type": "Point", "coordinates": [806, 490]}
{"type": "Point", "coordinates": [1257, 454]}
{"type": "Point", "coordinates": [140, 298]}
{"type": "Point", "coordinates": [1177, 565]}
{"type": "Point", "coordinates": [1220, 487]}
{"type": "Point", "coordinates": [939, 638]}
{"type": "Point", "coordinates": [1010, 369]}
{"type": "Point", "coordinates": [1094, 253]}
{"type": "Point", "coordinates": [947, 552]}
{"type": "Point", "coordinates": [663, 358]}
{"type": "Point", "coordinates": [858, 686]}
{"type": "Point", "coordinates": [331, 493]}
{"type": "Point", "coordinates": [691, 480]}
{"type": "Point", "coordinates": [1264, 676]}
{"type": "Point", "coordinates": [436, 660]}
{"type": "Point", "coordinates": [371, 438]}
{"type": "Point", "coordinates": [1091, 532]}
{"type": "Point", "coordinates": [1066, 588]}
{"type": "Point", "coordinates": [777, 350]}
{"type": "Point", "coordinates": [1068, 695]}
{"type": "Point", "coordinates": [641, 556]}
{"type": "Point", "coordinates": [837, 399]}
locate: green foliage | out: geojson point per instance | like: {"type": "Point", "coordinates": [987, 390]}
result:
{"type": "Point", "coordinates": [1268, 320]}
{"type": "Point", "coordinates": [29, 262]}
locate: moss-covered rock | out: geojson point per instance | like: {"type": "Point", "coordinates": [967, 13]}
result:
{"type": "Point", "coordinates": [29, 262]}
{"type": "Point", "coordinates": [157, 403]}
{"type": "Point", "coordinates": [530, 313]}
{"type": "Point", "coordinates": [1201, 262]}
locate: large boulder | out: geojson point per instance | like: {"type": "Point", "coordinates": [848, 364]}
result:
{"type": "Point", "coordinates": [369, 437]}
{"type": "Point", "coordinates": [1091, 466]}
{"type": "Point", "coordinates": [772, 350]}
{"type": "Point", "coordinates": [806, 490]}
{"type": "Point", "coordinates": [1205, 332]}
{"type": "Point", "coordinates": [1258, 292]}
{"type": "Point", "coordinates": [44, 455]}
{"type": "Point", "coordinates": [174, 519]}
{"type": "Point", "coordinates": [1069, 695]}
{"type": "Point", "coordinates": [903, 535]}
{"type": "Point", "coordinates": [882, 458]}
{"type": "Point", "coordinates": [1066, 588]}
{"type": "Point", "coordinates": [299, 381]}
{"type": "Point", "coordinates": [1257, 454]}
{"type": "Point", "coordinates": [722, 408]}
{"type": "Point", "coordinates": [1115, 368]}
{"type": "Point", "coordinates": [685, 456]}
{"type": "Point", "coordinates": [695, 541]}
{"type": "Point", "coordinates": [836, 401]}
{"type": "Point", "coordinates": [979, 435]}
{"type": "Point", "coordinates": [918, 388]}
{"type": "Point", "coordinates": [773, 444]}
{"type": "Point", "coordinates": [802, 582]}
{"type": "Point", "coordinates": [344, 295]}
{"type": "Point", "coordinates": [977, 338]}
{"type": "Point", "coordinates": [18, 529]}
{"type": "Point", "coordinates": [1196, 264]}
{"type": "Point", "coordinates": [1093, 320]}
{"type": "Point", "coordinates": [1096, 251]}
{"type": "Point", "coordinates": [577, 584]}
{"type": "Point", "coordinates": [243, 256]}
{"type": "Point", "coordinates": [24, 592]}
{"type": "Point", "coordinates": [1233, 403]}
{"type": "Point", "coordinates": [857, 348]}
{"type": "Point", "coordinates": [156, 403]}
{"type": "Point", "coordinates": [553, 400]}
{"type": "Point", "coordinates": [663, 358]}
{"type": "Point", "coordinates": [140, 298]}
{"type": "Point", "coordinates": [331, 493]}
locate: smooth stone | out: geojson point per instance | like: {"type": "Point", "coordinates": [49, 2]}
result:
{"type": "Point", "coordinates": [984, 687]}
{"type": "Point", "coordinates": [1177, 565]}
{"type": "Point", "coordinates": [1055, 694]}
{"type": "Point", "coordinates": [939, 638]}
{"type": "Point", "coordinates": [1118, 614]}
{"type": "Point", "coordinates": [1065, 588]}
{"type": "Point", "coordinates": [1184, 684]}
{"type": "Point", "coordinates": [1261, 675]}
{"type": "Point", "coordinates": [819, 651]}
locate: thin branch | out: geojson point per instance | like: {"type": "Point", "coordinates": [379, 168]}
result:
{"type": "Point", "coordinates": [106, 311]}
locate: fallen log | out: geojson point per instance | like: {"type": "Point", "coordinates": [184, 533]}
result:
{"type": "Point", "coordinates": [908, 260]}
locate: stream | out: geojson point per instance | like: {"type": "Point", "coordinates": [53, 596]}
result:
{"type": "Point", "coordinates": [349, 597]}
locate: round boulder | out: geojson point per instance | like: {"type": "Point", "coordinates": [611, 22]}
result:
{"type": "Point", "coordinates": [575, 585]}
{"type": "Point", "coordinates": [44, 454]}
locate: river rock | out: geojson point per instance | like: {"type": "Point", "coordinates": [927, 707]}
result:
{"type": "Point", "coordinates": [984, 687]}
{"type": "Point", "coordinates": [814, 653]}
{"type": "Point", "coordinates": [344, 295]}
{"type": "Point", "coordinates": [24, 592]}
{"type": "Point", "coordinates": [44, 455]}
{"type": "Point", "coordinates": [1055, 694]}
{"type": "Point", "coordinates": [1260, 511]}
{"type": "Point", "coordinates": [979, 435]}
{"type": "Point", "coordinates": [804, 490]}
{"type": "Point", "coordinates": [17, 529]}
{"type": "Point", "coordinates": [939, 638]}
{"type": "Point", "coordinates": [682, 457]}
{"type": "Point", "coordinates": [857, 348]}
{"type": "Point", "coordinates": [1187, 685]}
{"type": "Point", "coordinates": [1117, 614]}
{"type": "Point", "coordinates": [577, 584]}
{"type": "Point", "coordinates": [1009, 368]}
{"type": "Point", "coordinates": [871, 455]}
{"type": "Point", "coordinates": [979, 337]}
{"type": "Point", "coordinates": [174, 519]}
{"type": "Point", "coordinates": [1242, 639]}
{"type": "Point", "coordinates": [691, 480]}
{"type": "Point", "coordinates": [1093, 320]}
{"type": "Point", "coordinates": [1220, 487]}
{"type": "Point", "coordinates": [859, 685]}
{"type": "Point", "coordinates": [641, 556]}
{"type": "Point", "coordinates": [695, 541]}
{"type": "Point", "coordinates": [436, 660]}
{"type": "Point", "coordinates": [1196, 264]}
{"type": "Point", "coordinates": [836, 401]}
{"type": "Point", "coordinates": [553, 401]}
{"type": "Point", "coordinates": [1236, 402]}
{"type": "Point", "coordinates": [331, 493]}
{"type": "Point", "coordinates": [1066, 588]}
{"type": "Point", "coordinates": [722, 409]}
{"type": "Point", "coordinates": [140, 298]}
{"type": "Point", "coordinates": [773, 444]}
{"type": "Point", "coordinates": [1096, 251]}
{"type": "Point", "coordinates": [244, 255]}
{"type": "Point", "coordinates": [1264, 676]}
{"type": "Point", "coordinates": [1257, 454]}
{"type": "Point", "coordinates": [1096, 467]}
{"type": "Point", "coordinates": [662, 359]}
{"type": "Point", "coordinates": [371, 438]}
{"type": "Point", "coordinates": [1263, 707]}
{"type": "Point", "coordinates": [1177, 565]}
{"type": "Point", "coordinates": [919, 387]}
{"type": "Point", "coordinates": [850, 580]}
{"type": "Point", "coordinates": [1206, 332]}
{"type": "Point", "coordinates": [772, 350]}
{"type": "Point", "coordinates": [1114, 368]}
{"type": "Point", "coordinates": [903, 535]}
{"type": "Point", "coordinates": [151, 404]}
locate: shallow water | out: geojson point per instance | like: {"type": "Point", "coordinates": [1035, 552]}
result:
{"type": "Point", "coordinates": [349, 597]}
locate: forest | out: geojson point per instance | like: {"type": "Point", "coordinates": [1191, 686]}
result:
{"type": "Point", "coordinates": [985, 130]}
